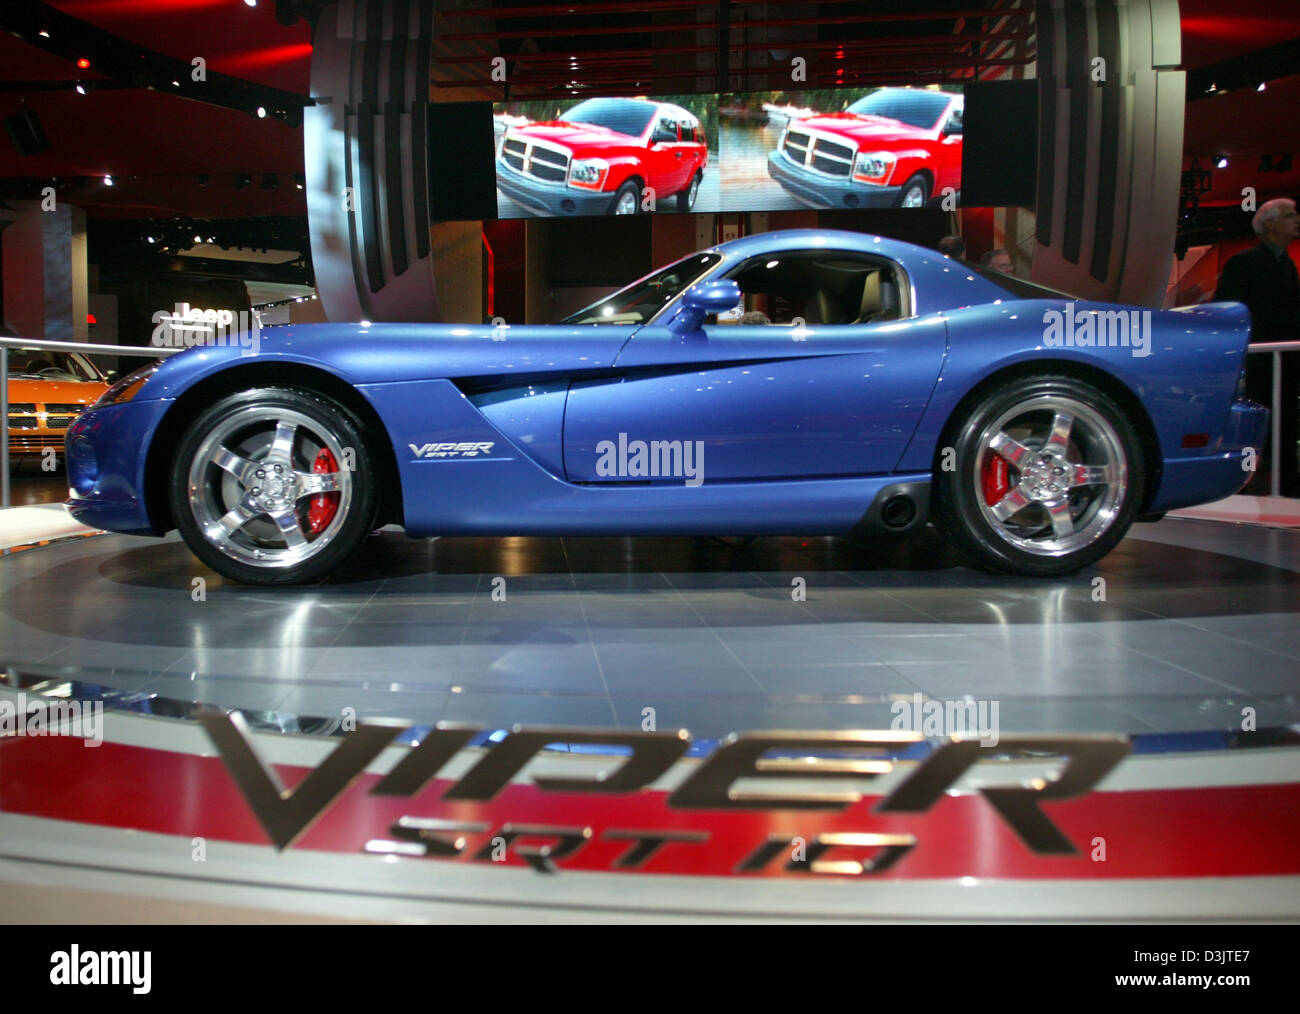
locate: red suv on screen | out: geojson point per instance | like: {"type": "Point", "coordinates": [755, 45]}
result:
{"type": "Point", "coordinates": [600, 156]}
{"type": "Point", "coordinates": [896, 147]}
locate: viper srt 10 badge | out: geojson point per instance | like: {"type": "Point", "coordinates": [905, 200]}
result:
{"type": "Point", "coordinates": [464, 449]}
{"type": "Point", "coordinates": [807, 777]}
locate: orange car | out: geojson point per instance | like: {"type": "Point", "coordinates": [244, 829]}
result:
{"type": "Point", "coordinates": [47, 390]}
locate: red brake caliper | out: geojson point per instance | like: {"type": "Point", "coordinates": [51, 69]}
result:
{"type": "Point", "coordinates": [323, 506]}
{"type": "Point", "coordinates": [994, 478]}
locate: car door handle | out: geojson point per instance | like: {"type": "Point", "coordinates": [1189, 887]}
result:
{"type": "Point", "coordinates": [677, 154]}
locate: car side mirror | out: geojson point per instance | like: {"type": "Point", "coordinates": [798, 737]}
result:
{"type": "Point", "coordinates": [700, 300]}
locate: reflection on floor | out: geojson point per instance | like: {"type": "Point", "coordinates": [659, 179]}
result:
{"type": "Point", "coordinates": [1179, 629]}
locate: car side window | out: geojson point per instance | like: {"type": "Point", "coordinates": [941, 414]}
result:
{"type": "Point", "coordinates": [665, 131]}
{"type": "Point", "coordinates": [953, 126]}
{"type": "Point", "coordinates": [818, 287]}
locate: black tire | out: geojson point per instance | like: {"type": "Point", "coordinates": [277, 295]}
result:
{"type": "Point", "coordinates": [686, 199]}
{"type": "Point", "coordinates": [277, 433]}
{"type": "Point", "coordinates": [915, 192]}
{"type": "Point", "coordinates": [1080, 475]}
{"type": "Point", "coordinates": [630, 187]}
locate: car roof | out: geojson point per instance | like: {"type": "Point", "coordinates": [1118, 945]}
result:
{"type": "Point", "coordinates": [828, 239]}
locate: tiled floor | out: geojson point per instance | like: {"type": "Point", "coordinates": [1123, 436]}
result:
{"type": "Point", "coordinates": [1183, 626]}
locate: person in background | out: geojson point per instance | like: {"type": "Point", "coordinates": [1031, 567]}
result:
{"type": "Point", "coordinates": [1264, 278]}
{"type": "Point", "coordinates": [999, 261]}
{"type": "Point", "coordinates": [755, 317]}
{"type": "Point", "coordinates": [953, 246]}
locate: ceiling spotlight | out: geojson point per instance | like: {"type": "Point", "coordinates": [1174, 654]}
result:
{"type": "Point", "coordinates": [149, 238]}
{"type": "Point", "coordinates": [299, 180]}
{"type": "Point", "coordinates": [261, 112]}
{"type": "Point", "coordinates": [1222, 163]}
{"type": "Point", "coordinates": [251, 3]}
{"type": "Point", "coordinates": [198, 239]}
{"type": "Point", "coordinates": [81, 89]}
{"type": "Point", "coordinates": [108, 181]}
{"type": "Point", "coordinates": [83, 63]}
{"type": "Point", "coordinates": [242, 180]}
{"type": "Point", "coordinates": [176, 84]}
{"type": "Point", "coordinates": [365, 323]}
{"type": "Point", "coordinates": [1261, 87]}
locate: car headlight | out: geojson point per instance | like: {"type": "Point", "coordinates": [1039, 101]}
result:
{"type": "Point", "coordinates": [588, 172]}
{"type": "Point", "coordinates": [129, 386]}
{"type": "Point", "coordinates": [873, 166]}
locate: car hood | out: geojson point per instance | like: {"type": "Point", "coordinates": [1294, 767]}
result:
{"type": "Point", "coordinates": [861, 129]}
{"type": "Point", "coordinates": [574, 135]}
{"type": "Point", "coordinates": [61, 391]}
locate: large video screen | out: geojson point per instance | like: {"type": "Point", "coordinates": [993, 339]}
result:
{"type": "Point", "coordinates": [762, 151]}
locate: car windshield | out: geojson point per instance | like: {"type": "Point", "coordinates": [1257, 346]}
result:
{"type": "Point", "coordinates": [627, 116]}
{"type": "Point", "coordinates": [638, 302]}
{"type": "Point", "coordinates": [1018, 287]}
{"type": "Point", "coordinates": [42, 364]}
{"type": "Point", "coordinates": [917, 108]}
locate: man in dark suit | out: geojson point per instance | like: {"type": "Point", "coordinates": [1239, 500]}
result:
{"type": "Point", "coordinates": [1265, 279]}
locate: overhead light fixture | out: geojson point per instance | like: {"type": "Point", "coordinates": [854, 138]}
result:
{"type": "Point", "coordinates": [43, 34]}
{"type": "Point", "coordinates": [1261, 87]}
{"type": "Point", "coordinates": [108, 181]}
{"type": "Point", "coordinates": [1222, 163]}
{"type": "Point", "coordinates": [81, 89]}
{"type": "Point", "coordinates": [198, 239]}
{"type": "Point", "coordinates": [83, 63]}
{"type": "Point", "coordinates": [261, 112]}
{"type": "Point", "coordinates": [149, 238]}
{"type": "Point", "coordinates": [251, 3]}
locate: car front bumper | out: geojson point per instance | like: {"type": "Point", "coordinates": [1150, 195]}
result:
{"type": "Point", "coordinates": [557, 200]}
{"type": "Point", "coordinates": [822, 191]}
{"type": "Point", "coordinates": [106, 450]}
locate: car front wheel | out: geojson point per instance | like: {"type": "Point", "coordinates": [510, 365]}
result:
{"type": "Point", "coordinates": [628, 199]}
{"type": "Point", "coordinates": [915, 192]}
{"type": "Point", "coordinates": [273, 486]}
{"type": "Point", "coordinates": [1046, 478]}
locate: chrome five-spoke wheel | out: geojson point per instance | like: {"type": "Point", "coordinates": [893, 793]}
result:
{"type": "Point", "coordinates": [268, 488]}
{"type": "Point", "coordinates": [1047, 478]}
{"type": "Point", "coordinates": [1052, 475]}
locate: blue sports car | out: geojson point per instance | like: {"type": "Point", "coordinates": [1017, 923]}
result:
{"type": "Point", "coordinates": [810, 382]}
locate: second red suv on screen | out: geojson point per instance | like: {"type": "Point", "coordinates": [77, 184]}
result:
{"type": "Point", "coordinates": [897, 147]}
{"type": "Point", "coordinates": [600, 157]}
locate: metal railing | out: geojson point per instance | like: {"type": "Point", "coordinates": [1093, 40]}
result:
{"type": "Point", "coordinates": [54, 346]}
{"type": "Point", "coordinates": [1275, 411]}
{"type": "Point", "coordinates": [1275, 349]}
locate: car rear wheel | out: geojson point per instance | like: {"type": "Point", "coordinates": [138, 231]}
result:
{"type": "Point", "coordinates": [628, 199]}
{"type": "Point", "coordinates": [915, 192]}
{"type": "Point", "coordinates": [273, 486]}
{"type": "Point", "coordinates": [686, 199]}
{"type": "Point", "coordinates": [1047, 478]}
